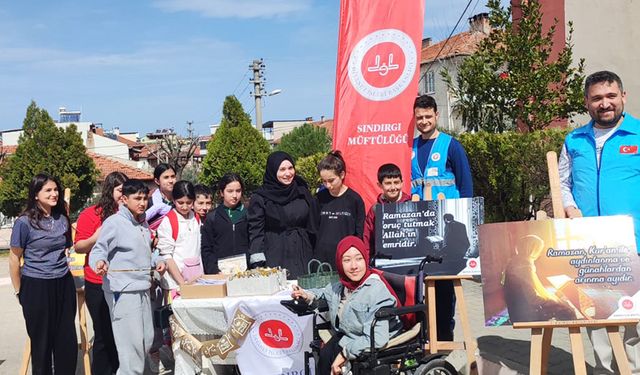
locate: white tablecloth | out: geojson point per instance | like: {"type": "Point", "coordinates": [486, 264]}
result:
{"type": "Point", "coordinates": [211, 317]}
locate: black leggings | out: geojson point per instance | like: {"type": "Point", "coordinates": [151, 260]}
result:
{"type": "Point", "coordinates": [49, 310]}
{"type": "Point", "coordinates": [328, 354]}
{"type": "Point", "coordinates": [105, 355]}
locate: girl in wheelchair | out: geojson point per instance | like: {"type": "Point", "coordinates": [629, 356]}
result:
{"type": "Point", "coordinates": [353, 302]}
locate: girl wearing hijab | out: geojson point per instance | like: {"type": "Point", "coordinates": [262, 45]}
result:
{"type": "Point", "coordinates": [282, 219]}
{"type": "Point", "coordinates": [353, 302]}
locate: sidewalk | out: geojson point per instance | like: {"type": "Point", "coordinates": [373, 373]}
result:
{"type": "Point", "coordinates": [508, 348]}
{"type": "Point", "coordinates": [505, 347]}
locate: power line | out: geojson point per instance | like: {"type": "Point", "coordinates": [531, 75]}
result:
{"type": "Point", "coordinates": [244, 90]}
{"type": "Point", "coordinates": [239, 83]}
{"type": "Point", "coordinates": [446, 41]}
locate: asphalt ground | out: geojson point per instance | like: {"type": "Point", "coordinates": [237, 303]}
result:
{"type": "Point", "coordinates": [504, 346]}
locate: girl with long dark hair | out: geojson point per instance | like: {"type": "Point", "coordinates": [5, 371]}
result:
{"type": "Point", "coordinates": [105, 354]}
{"type": "Point", "coordinates": [179, 240]}
{"type": "Point", "coordinates": [44, 285]}
{"type": "Point", "coordinates": [161, 202]}
{"type": "Point", "coordinates": [225, 232]}
{"type": "Point", "coordinates": [341, 208]}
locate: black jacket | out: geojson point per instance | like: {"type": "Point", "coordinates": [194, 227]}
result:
{"type": "Point", "coordinates": [221, 238]}
{"type": "Point", "coordinates": [283, 235]}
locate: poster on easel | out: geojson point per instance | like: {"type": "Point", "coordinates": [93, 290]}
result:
{"type": "Point", "coordinates": [407, 232]}
{"type": "Point", "coordinates": [560, 270]}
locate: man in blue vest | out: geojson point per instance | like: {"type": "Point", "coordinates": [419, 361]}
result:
{"type": "Point", "coordinates": [439, 170]}
{"type": "Point", "coordinates": [599, 175]}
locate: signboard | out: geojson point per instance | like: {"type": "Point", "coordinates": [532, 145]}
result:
{"type": "Point", "coordinates": [560, 270]}
{"type": "Point", "coordinates": [407, 232]}
{"type": "Point", "coordinates": [376, 83]}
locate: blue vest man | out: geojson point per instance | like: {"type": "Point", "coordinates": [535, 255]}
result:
{"type": "Point", "coordinates": [439, 166]}
{"type": "Point", "coordinates": [439, 170]}
{"type": "Point", "coordinates": [599, 175]}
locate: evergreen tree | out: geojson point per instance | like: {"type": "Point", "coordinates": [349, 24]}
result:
{"type": "Point", "coordinates": [236, 147]}
{"type": "Point", "coordinates": [305, 140]}
{"type": "Point", "coordinates": [513, 78]}
{"type": "Point", "coordinates": [45, 148]}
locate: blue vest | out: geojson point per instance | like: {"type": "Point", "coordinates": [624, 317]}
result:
{"type": "Point", "coordinates": [613, 187]}
{"type": "Point", "coordinates": [435, 175]}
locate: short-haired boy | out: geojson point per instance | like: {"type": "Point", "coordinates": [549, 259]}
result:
{"type": "Point", "coordinates": [204, 201]}
{"type": "Point", "coordinates": [122, 256]}
{"type": "Point", "coordinates": [390, 182]}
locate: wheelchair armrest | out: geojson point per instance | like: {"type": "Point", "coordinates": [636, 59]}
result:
{"type": "Point", "coordinates": [389, 312]}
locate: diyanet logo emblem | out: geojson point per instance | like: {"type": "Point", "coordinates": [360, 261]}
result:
{"type": "Point", "coordinates": [276, 335]}
{"type": "Point", "coordinates": [382, 64]}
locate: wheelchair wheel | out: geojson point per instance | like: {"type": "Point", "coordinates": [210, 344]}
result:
{"type": "Point", "coordinates": [437, 366]}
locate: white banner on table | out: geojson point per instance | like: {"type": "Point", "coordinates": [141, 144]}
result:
{"type": "Point", "coordinates": [277, 341]}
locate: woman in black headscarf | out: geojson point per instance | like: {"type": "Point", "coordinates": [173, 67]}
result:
{"type": "Point", "coordinates": [282, 218]}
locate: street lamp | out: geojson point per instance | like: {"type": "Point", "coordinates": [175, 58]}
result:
{"type": "Point", "coordinates": [259, 106]}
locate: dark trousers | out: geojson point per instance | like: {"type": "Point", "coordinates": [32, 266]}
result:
{"type": "Point", "coordinates": [49, 309]}
{"type": "Point", "coordinates": [445, 309]}
{"type": "Point", "coordinates": [105, 355]}
{"type": "Point", "coordinates": [328, 354]}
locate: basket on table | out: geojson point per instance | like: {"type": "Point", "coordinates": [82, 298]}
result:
{"type": "Point", "coordinates": [323, 276]}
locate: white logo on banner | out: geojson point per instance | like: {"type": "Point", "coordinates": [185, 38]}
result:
{"type": "Point", "coordinates": [383, 65]}
{"type": "Point", "coordinates": [277, 335]}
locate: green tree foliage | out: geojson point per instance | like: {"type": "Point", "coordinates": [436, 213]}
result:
{"type": "Point", "coordinates": [307, 168]}
{"type": "Point", "coordinates": [305, 140]}
{"type": "Point", "coordinates": [45, 148]}
{"type": "Point", "coordinates": [514, 77]}
{"type": "Point", "coordinates": [510, 171]}
{"type": "Point", "coordinates": [236, 147]}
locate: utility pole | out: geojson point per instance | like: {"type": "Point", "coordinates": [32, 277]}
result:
{"type": "Point", "coordinates": [258, 89]}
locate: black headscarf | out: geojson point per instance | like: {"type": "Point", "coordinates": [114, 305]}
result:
{"type": "Point", "coordinates": [276, 191]}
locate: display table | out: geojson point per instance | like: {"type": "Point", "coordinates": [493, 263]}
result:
{"type": "Point", "coordinates": [278, 337]}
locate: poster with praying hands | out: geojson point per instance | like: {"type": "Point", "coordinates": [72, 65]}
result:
{"type": "Point", "coordinates": [560, 270]}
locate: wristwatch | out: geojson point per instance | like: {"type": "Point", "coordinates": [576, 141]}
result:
{"type": "Point", "coordinates": [16, 293]}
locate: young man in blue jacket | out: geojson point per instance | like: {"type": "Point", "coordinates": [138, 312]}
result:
{"type": "Point", "coordinates": [440, 169]}
{"type": "Point", "coordinates": [123, 257]}
{"type": "Point", "coordinates": [599, 176]}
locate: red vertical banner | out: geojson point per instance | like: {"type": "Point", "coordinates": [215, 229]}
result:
{"type": "Point", "coordinates": [376, 84]}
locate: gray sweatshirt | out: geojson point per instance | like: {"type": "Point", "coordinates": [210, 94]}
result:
{"type": "Point", "coordinates": [125, 244]}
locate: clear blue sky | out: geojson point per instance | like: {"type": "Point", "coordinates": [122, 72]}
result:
{"type": "Point", "coordinates": [148, 64]}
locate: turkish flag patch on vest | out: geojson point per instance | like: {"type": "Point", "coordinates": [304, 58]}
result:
{"type": "Point", "coordinates": [629, 149]}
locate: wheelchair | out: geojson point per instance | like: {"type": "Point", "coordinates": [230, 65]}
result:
{"type": "Point", "coordinates": [405, 352]}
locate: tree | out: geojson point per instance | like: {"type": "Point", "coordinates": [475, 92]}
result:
{"type": "Point", "coordinates": [236, 147]}
{"type": "Point", "coordinates": [307, 168]}
{"type": "Point", "coordinates": [45, 148]}
{"type": "Point", "coordinates": [177, 151]}
{"type": "Point", "coordinates": [514, 78]}
{"type": "Point", "coordinates": [510, 171]}
{"type": "Point", "coordinates": [305, 140]}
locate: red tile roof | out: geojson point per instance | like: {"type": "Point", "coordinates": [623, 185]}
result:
{"type": "Point", "coordinates": [107, 165]}
{"type": "Point", "coordinates": [9, 150]}
{"type": "Point", "coordinates": [104, 164]}
{"type": "Point", "coordinates": [464, 43]}
{"type": "Point", "coordinates": [326, 124]}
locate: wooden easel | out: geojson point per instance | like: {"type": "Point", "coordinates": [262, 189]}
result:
{"type": "Point", "coordinates": [469, 342]}
{"type": "Point", "coordinates": [541, 332]}
{"type": "Point", "coordinates": [84, 345]}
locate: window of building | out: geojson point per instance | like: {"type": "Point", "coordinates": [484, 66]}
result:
{"type": "Point", "coordinates": [430, 83]}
